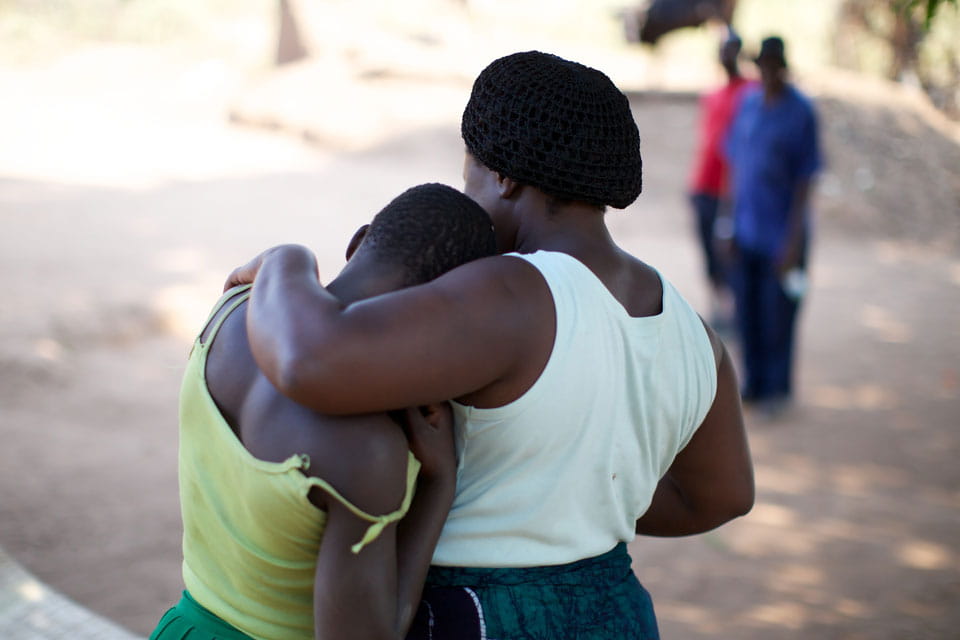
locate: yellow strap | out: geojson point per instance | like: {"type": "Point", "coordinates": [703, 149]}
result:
{"type": "Point", "coordinates": [236, 296]}
{"type": "Point", "coordinates": [379, 523]}
{"type": "Point", "coordinates": [240, 294]}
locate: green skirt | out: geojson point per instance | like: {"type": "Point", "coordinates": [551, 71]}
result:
{"type": "Point", "coordinates": [188, 619]}
{"type": "Point", "coordinates": [594, 599]}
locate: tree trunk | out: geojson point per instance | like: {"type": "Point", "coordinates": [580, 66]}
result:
{"type": "Point", "coordinates": [290, 47]}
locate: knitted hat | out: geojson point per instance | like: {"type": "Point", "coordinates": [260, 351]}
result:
{"type": "Point", "coordinates": [556, 125]}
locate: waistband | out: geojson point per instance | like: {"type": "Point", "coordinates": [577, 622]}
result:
{"type": "Point", "coordinates": [609, 567]}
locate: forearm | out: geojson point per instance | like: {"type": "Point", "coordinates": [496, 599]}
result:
{"type": "Point", "coordinates": [672, 513]}
{"type": "Point", "coordinates": [418, 534]}
{"type": "Point", "coordinates": [796, 225]}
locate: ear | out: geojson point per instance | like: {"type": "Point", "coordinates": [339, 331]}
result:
{"type": "Point", "coordinates": [507, 187]}
{"type": "Point", "coordinates": [355, 241]}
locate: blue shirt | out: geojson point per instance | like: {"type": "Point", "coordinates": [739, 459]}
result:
{"type": "Point", "coordinates": [771, 149]}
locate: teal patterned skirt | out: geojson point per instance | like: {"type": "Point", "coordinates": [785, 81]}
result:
{"type": "Point", "coordinates": [594, 599]}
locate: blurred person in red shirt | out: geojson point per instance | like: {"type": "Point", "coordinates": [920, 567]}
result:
{"type": "Point", "coordinates": [708, 184]}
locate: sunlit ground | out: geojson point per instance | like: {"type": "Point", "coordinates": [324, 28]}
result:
{"type": "Point", "coordinates": [126, 196]}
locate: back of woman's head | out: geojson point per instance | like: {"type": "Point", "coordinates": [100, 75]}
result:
{"type": "Point", "coordinates": [556, 125]}
{"type": "Point", "coordinates": [428, 230]}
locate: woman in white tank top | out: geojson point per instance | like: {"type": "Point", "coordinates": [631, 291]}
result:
{"type": "Point", "coordinates": [592, 402]}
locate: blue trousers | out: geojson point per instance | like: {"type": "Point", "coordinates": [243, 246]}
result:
{"type": "Point", "coordinates": [766, 319]}
{"type": "Point", "coordinates": [707, 207]}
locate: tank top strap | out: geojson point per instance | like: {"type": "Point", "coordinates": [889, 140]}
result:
{"type": "Point", "coordinates": [231, 299]}
{"type": "Point", "coordinates": [377, 523]}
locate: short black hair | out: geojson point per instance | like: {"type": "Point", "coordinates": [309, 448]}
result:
{"type": "Point", "coordinates": [428, 230]}
{"type": "Point", "coordinates": [557, 125]}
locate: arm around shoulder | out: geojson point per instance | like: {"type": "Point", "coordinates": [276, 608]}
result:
{"type": "Point", "coordinates": [419, 345]}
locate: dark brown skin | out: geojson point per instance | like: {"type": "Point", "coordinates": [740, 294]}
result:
{"type": "Point", "coordinates": [482, 334]}
{"type": "Point", "coordinates": [372, 594]}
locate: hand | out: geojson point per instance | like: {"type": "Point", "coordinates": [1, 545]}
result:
{"type": "Point", "coordinates": [429, 431]}
{"type": "Point", "coordinates": [789, 259]}
{"type": "Point", "coordinates": [723, 243]}
{"type": "Point", "coordinates": [725, 250]}
{"type": "Point", "coordinates": [247, 273]}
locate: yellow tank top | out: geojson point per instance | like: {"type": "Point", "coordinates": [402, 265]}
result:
{"type": "Point", "coordinates": [250, 534]}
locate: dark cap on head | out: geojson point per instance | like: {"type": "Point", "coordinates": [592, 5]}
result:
{"type": "Point", "coordinates": [557, 125]}
{"type": "Point", "coordinates": [772, 49]}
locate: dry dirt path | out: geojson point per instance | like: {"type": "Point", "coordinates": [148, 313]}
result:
{"type": "Point", "coordinates": [125, 199]}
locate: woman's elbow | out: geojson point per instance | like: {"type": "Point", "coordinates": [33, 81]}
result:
{"type": "Point", "coordinates": [739, 500]}
{"type": "Point", "coordinates": [722, 513]}
{"type": "Point", "coordinates": [287, 376]}
{"type": "Point", "coordinates": [733, 501]}
{"type": "Point", "coordinates": [743, 504]}
{"type": "Point", "coordinates": [300, 379]}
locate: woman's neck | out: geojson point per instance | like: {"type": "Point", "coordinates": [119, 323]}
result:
{"type": "Point", "coordinates": [574, 228]}
{"type": "Point", "coordinates": [364, 277]}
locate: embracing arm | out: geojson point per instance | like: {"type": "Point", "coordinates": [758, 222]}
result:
{"type": "Point", "coordinates": [454, 335]}
{"type": "Point", "coordinates": [711, 481]}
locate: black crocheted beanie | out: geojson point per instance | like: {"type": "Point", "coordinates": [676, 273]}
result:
{"type": "Point", "coordinates": [557, 125]}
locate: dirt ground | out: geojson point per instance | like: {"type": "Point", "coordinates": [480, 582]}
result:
{"type": "Point", "coordinates": [126, 196]}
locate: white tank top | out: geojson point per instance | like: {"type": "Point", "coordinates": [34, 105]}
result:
{"type": "Point", "coordinates": [563, 472]}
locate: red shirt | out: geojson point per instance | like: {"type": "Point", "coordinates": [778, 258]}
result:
{"type": "Point", "coordinates": [717, 109]}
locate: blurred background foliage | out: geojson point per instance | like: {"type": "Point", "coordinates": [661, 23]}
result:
{"type": "Point", "coordinates": [914, 42]}
{"type": "Point", "coordinates": [35, 31]}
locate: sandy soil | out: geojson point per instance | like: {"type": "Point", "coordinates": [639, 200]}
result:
{"type": "Point", "coordinates": [126, 197]}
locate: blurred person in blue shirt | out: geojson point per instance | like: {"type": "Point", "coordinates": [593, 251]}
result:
{"type": "Point", "coordinates": [774, 154]}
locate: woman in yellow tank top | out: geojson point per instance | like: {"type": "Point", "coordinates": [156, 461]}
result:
{"type": "Point", "coordinates": [298, 524]}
